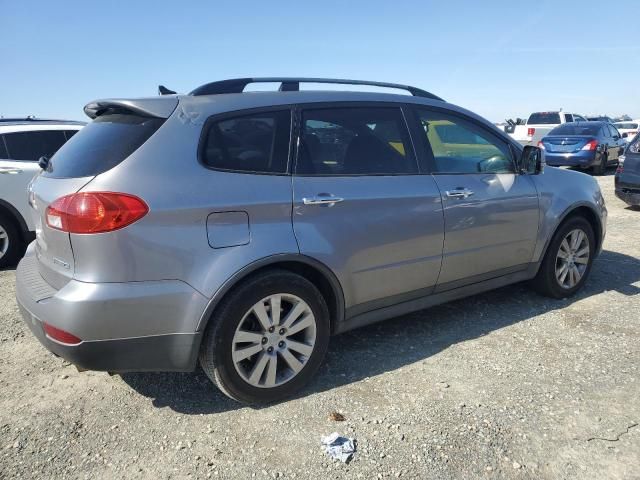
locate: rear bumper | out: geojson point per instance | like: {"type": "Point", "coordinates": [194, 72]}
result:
{"type": "Point", "coordinates": [627, 187]}
{"type": "Point", "coordinates": [582, 159]}
{"type": "Point", "coordinates": [630, 198]}
{"type": "Point", "coordinates": [124, 327]}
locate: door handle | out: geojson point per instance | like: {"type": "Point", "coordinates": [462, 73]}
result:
{"type": "Point", "coordinates": [10, 171]}
{"type": "Point", "coordinates": [322, 200]}
{"type": "Point", "coordinates": [459, 193]}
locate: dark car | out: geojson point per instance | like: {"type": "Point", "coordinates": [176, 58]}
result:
{"type": "Point", "coordinates": [627, 179]}
{"type": "Point", "coordinates": [584, 145]}
{"type": "Point", "coordinates": [600, 118]}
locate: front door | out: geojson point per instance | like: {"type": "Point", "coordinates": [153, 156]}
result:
{"type": "Point", "coordinates": [491, 212]}
{"type": "Point", "coordinates": [361, 207]}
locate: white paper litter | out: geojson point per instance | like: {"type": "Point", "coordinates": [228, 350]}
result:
{"type": "Point", "coordinates": [340, 448]}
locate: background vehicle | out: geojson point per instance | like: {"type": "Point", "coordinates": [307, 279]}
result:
{"type": "Point", "coordinates": [627, 180]}
{"type": "Point", "coordinates": [628, 130]}
{"type": "Point", "coordinates": [539, 124]}
{"type": "Point", "coordinates": [22, 143]}
{"type": "Point", "coordinates": [583, 145]}
{"type": "Point", "coordinates": [244, 229]}
{"type": "Point", "coordinates": [599, 118]}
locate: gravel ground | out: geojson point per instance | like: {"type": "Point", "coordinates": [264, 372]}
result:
{"type": "Point", "coordinates": [502, 385]}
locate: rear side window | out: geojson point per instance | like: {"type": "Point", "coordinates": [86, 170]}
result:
{"type": "Point", "coordinates": [102, 145]}
{"type": "Point", "coordinates": [3, 148]}
{"type": "Point", "coordinates": [355, 141]}
{"type": "Point", "coordinates": [576, 129]}
{"type": "Point", "coordinates": [70, 133]}
{"type": "Point", "coordinates": [32, 145]}
{"type": "Point", "coordinates": [256, 142]}
{"type": "Point", "coordinates": [544, 118]}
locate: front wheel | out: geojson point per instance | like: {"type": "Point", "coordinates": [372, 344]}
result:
{"type": "Point", "coordinates": [568, 260]}
{"type": "Point", "coordinates": [267, 339]}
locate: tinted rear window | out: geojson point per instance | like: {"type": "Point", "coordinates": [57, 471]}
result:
{"type": "Point", "coordinates": [573, 129]}
{"type": "Point", "coordinates": [33, 144]}
{"type": "Point", "coordinates": [102, 145]}
{"type": "Point", "coordinates": [256, 142]}
{"type": "Point", "coordinates": [544, 118]}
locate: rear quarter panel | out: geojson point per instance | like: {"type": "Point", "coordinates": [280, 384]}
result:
{"type": "Point", "coordinates": [171, 242]}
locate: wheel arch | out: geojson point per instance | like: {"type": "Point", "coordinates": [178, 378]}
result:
{"type": "Point", "coordinates": [10, 211]}
{"type": "Point", "coordinates": [583, 210]}
{"type": "Point", "coordinates": [313, 270]}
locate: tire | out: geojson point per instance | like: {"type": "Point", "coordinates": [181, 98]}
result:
{"type": "Point", "coordinates": [546, 281]}
{"type": "Point", "coordinates": [11, 244]}
{"type": "Point", "coordinates": [601, 168]}
{"type": "Point", "coordinates": [234, 377]}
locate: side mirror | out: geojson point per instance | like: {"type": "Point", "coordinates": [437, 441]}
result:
{"type": "Point", "coordinates": [532, 160]}
{"type": "Point", "coordinates": [43, 162]}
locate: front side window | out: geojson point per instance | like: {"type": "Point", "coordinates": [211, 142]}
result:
{"type": "Point", "coordinates": [355, 141]}
{"type": "Point", "coordinates": [255, 142]}
{"type": "Point", "coordinates": [32, 145]}
{"type": "Point", "coordinates": [459, 146]}
{"type": "Point", "coordinates": [568, 117]}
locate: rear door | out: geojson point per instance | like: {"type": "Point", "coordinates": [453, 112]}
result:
{"type": "Point", "coordinates": [491, 212]}
{"type": "Point", "coordinates": [361, 207]}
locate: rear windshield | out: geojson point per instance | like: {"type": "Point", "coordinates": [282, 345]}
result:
{"type": "Point", "coordinates": [626, 126]}
{"type": "Point", "coordinates": [544, 118]}
{"type": "Point", "coordinates": [573, 129]}
{"type": "Point", "coordinates": [101, 145]}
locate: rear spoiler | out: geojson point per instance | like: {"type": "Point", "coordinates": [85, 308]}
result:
{"type": "Point", "coordinates": [158, 107]}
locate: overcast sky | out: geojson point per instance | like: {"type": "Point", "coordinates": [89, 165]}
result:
{"type": "Point", "coordinates": [498, 58]}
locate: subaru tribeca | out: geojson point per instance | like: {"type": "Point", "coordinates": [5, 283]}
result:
{"type": "Point", "coordinates": [243, 229]}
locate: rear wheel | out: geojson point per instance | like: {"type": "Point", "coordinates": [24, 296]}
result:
{"type": "Point", "coordinates": [11, 244]}
{"type": "Point", "coordinates": [568, 260]}
{"type": "Point", "coordinates": [268, 338]}
{"type": "Point", "coordinates": [601, 168]}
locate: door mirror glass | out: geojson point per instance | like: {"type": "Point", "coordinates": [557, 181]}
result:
{"type": "Point", "coordinates": [532, 160]}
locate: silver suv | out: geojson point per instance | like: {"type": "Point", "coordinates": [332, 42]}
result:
{"type": "Point", "coordinates": [243, 229]}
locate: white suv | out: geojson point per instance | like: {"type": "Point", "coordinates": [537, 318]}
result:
{"type": "Point", "coordinates": [22, 142]}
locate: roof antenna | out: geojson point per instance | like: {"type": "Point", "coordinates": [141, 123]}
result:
{"type": "Point", "coordinates": [162, 90]}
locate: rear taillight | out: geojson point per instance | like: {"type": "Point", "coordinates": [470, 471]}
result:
{"type": "Point", "coordinates": [531, 131]}
{"type": "Point", "coordinates": [94, 212]}
{"type": "Point", "coordinates": [591, 145]}
{"type": "Point", "coordinates": [60, 335]}
{"type": "Point", "coordinates": [541, 145]}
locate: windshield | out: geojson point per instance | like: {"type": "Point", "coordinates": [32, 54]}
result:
{"type": "Point", "coordinates": [544, 118]}
{"type": "Point", "coordinates": [626, 126]}
{"type": "Point", "coordinates": [573, 129]}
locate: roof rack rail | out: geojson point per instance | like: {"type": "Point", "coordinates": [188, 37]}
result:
{"type": "Point", "coordinates": [292, 84]}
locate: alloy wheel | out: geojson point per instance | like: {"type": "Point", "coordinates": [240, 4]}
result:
{"type": "Point", "coordinates": [274, 340]}
{"type": "Point", "coordinates": [572, 259]}
{"type": "Point", "coordinates": [4, 241]}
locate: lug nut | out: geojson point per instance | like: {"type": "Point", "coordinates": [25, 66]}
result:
{"type": "Point", "coordinates": [272, 329]}
{"type": "Point", "coordinates": [282, 330]}
{"type": "Point", "coordinates": [264, 340]}
{"type": "Point", "coordinates": [270, 349]}
{"type": "Point", "coordinates": [281, 344]}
